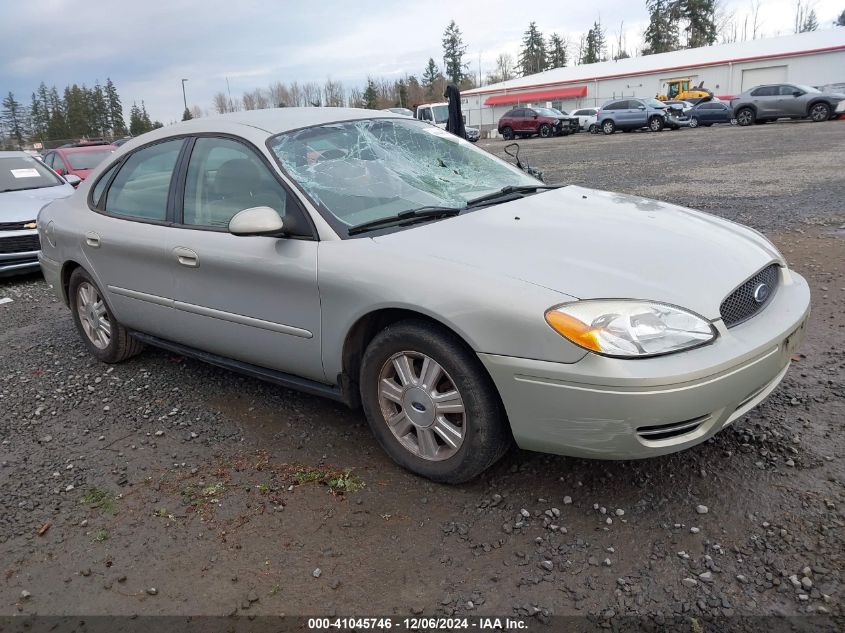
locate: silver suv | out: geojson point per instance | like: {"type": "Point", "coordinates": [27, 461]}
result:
{"type": "Point", "coordinates": [762, 104]}
{"type": "Point", "coordinates": [631, 114]}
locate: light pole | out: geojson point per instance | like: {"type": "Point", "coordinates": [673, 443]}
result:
{"type": "Point", "coordinates": [184, 98]}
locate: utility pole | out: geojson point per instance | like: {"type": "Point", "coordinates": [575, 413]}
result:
{"type": "Point", "coordinates": [184, 98]}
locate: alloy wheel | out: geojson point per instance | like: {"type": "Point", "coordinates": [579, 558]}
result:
{"type": "Point", "coordinates": [693, 122]}
{"type": "Point", "coordinates": [745, 117]}
{"type": "Point", "coordinates": [93, 315]}
{"type": "Point", "coordinates": [422, 406]}
{"type": "Point", "coordinates": [820, 112]}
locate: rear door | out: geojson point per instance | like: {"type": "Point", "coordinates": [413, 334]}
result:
{"type": "Point", "coordinates": [767, 99]}
{"type": "Point", "coordinates": [253, 299]}
{"type": "Point", "coordinates": [125, 235]}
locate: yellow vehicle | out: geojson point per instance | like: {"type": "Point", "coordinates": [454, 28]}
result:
{"type": "Point", "coordinates": [682, 90]}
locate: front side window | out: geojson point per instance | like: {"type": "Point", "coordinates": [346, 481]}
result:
{"type": "Point", "coordinates": [59, 164]}
{"type": "Point", "coordinates": [142, 185]}
{"type": "Point", "coordinates": [18, 173]}
{"type": "Point", "coordinates": [225, 177]}
{"type": "Point", "coordinates": [358, 171]}
{"type": "Point", "coordinates": [425, 114]}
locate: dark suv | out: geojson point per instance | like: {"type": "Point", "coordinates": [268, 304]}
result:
{"type": "Point", "coordinates": [762, 104]}
{"type": "Point", "coordinates": [542, 121]}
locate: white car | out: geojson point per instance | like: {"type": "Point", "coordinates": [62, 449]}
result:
{"type": "Point", "coordinates": [586, 117]}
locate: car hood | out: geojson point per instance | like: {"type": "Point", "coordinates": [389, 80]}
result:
{"type": "Point", "coordinates": [21, 206]}
{"type": "Point", "coordinates": [594, 244]}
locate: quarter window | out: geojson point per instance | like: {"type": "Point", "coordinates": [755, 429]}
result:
{"type": "Point", "coordinates": [225, 177]}
{"type": "Point", "coordinates": [141, 187]}
{"type": "Point", "coordinates": [101, 185]}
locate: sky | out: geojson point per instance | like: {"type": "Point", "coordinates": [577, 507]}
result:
{"type": "Point", "coordinates": [147, 48]}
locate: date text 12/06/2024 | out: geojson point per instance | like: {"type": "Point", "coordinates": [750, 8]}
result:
{"type": "Point", "coordinates": [418, 624]}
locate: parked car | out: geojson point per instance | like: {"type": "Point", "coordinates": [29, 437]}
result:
{"type": "Point", "coordinates": [681, 106]}
{"type": "Point", "coordinates": [456, 301]}
{"type": "Point", "coordinates": [708, 113]}
{"type": "Point", "coordinates": [120, 141]}
{"type": "Point", "coordinates": [26, 185]}
{"type": "Point", "coordinates": [438, 114]}
{"type": "Point", "coordinates": [525, 122]}
{"type": "Point", "coordinates": [402, 111]}
{"type": "Point", "coordinates": [762, 104]}
{"type": "Point", "coordinates": [586, 117]}
{"type": "Point", "coordinates": [632, 114]}
{"type": "Point", "coordinates": [77, 160]}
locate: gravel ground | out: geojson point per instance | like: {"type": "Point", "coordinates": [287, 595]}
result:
{"type": "Point", "coordinates": [165, 486]}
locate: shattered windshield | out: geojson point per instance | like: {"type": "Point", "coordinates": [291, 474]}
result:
{"type": "Point", "coordinates": [359, 171]}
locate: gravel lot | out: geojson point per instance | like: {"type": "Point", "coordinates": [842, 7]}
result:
{"type": "Point", "coordinates": [165, 486]}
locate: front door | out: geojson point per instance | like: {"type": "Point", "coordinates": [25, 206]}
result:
{"type": "Point", "coordinates": [252, 299]}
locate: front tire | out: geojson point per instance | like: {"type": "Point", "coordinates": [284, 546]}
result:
{"type": "Point", "coordinates": [693, 123]}
{"type": "Point", "coordinates": [430, 403]}
{"type": "Point", "coordinates": [819, 112]}
{"type": "Point", "coordinates": [105, 338]}
{"type": "Point", "coordinates": [745, 117]}
{"type": "Point", "coordinates": [656, 124]}
{"type": "Point", "coordinates": [545, 130]}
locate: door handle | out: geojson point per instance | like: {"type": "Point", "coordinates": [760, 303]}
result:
{"type": "Point", "coordinates": [92, 239]}
{"type": "Point", "coordinates": [186, 257]}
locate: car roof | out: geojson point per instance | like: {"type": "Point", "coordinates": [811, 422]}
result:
{"type": "Point", "coordinates": [15, 154]}
{"type": "Point", "coordinates": [84, 148]}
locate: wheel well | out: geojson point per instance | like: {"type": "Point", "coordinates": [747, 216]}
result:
{"type": "Point", "coordinates": [817, 101]}
{"type": "Point", "coordinates": [359, 337]}
{"type": "Point", "coordinates": [67, 271]}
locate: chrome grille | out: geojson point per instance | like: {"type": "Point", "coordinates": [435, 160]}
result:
{"type": "Point", "coordinates": [741, 304]}
{"type": "Point", "coordinates": [15, 226]}
{"type": "Point", "coordinates": [19, 244]}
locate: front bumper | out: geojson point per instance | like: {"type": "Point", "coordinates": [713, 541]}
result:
{"type": "Point", "coordinates": [609, 408]}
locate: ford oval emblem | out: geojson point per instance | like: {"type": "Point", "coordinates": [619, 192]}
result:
{"type": "Point", "coordinates": [761, 293]}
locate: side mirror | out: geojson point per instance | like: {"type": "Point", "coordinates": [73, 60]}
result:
{"type": "Point", "coordinates": [797, 93]}
{"type": "Point", "coordinates": [257, 221]}
{"type": "Point", "coordinates": [642, 107]}
{"type": "Point", "coordinates": [73, 180]}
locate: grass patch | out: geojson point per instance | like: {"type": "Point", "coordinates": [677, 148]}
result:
{"type": "Point", "coordinates": [100, 499]}
{"type": "Point", "coordinates": [337, 482]}
{"type": "Point", "coordinates": [101, 536]}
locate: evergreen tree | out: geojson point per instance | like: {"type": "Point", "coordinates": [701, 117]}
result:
{"type": "Point", "coordinates": [186, 115]}
{"type": "Point", "coordinates": [136, 122]}
{"type": "Point", "coordinates": [699, 20]}
{"type": "Point", "coordinates": [532, 57]}
{"type": "Point", "coordinates": [14, 117]}
{"type": "Point", "coordinates": [595, 47]}
{"type": "Point", "coordinates": [116, 122]}
{"type": "Point", "coordinates": [39, 119]}
{"type": "Point", "coordinates": [99, 111]}
{"type": "Point", "coordinates": [430, 76]}
{"type": "Point", "coordinates": [661, 36]}
{"type": "Point", "coordinates": [371, 95]}
{"type": "Point", "coordinates": [57, 127]}
{"type": "Point", "coordinates": [453, 54]}
{"type": "Point", "coordinates": [811, 23]}
{"type": "Point", "coordinates": [145, 118]}
{"type": "Point", "coordinates": [401, 94]}
{"type": "Point", "coordinates": [840, 21]}
{"type": "Point", "coordinates": [556, 56]}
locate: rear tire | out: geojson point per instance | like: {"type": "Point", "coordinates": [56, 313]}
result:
{"type": "Point", "coordinates": [745, 117]}
{"type": "Point", "coordinates": [507, 133]}
{"type": "Point", "coordinates": [656, 123]}
{"type": "Point", "coordinates": [430, 404]}
{"type": "Point", "coordinates": [105, 338]}
{"type": "Point", "coordinates": [608, 127]}
{"type": "Point", "coordinates": [819, 112]}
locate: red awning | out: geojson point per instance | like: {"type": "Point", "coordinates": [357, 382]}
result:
{"type": "Point", "coordinates": [538, 95]}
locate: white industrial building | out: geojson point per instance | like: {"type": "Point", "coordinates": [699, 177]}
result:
{"type": "Point", "coordinates": [816, 58]}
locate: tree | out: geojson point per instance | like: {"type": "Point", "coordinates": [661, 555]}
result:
{"type": "Point", "coordinates": [370, 96]}
{"type": "Point", "coordinates": [661, 35]}
{"type": "Point", "coordinates": [453, 54]}
{"type": "Point", "coordinates": [14, 116]}
{"type": "Point", "coordinates": [504, 69]}
{"type": "Point", "coordinates": [556, 55]}
{"type": "Point", "coordinates": [431, 77]}
{"type": "Point", "coordinates": [595, 47]}
{"type": "Point", "coordinates": [532, 57]}
{"type": "Point", "coordinates": [39, 119]}
{"type": "Point", "coordinates": [98, 110]}
{"type": "Point", "coordinates": [196, 112]}
{"type": "Point", "coordinates": [136, 123]}
{"type": "Point", "coordinates": [699, 20]}
{"type": "Point", "coordinates": [333, 94]}
{"type": "Point", "coordinates": [840, 21]}
{"type": "Point", "coordinates": [401, 89]}
{"type": "Point", "coordinates": [805, 17]}
{"type": "Point", "coordinates": [57, 127]}
{"type": "Point", "coordinates": [186, 115]}
{"type": "Point", "coordinates": [115, 108]}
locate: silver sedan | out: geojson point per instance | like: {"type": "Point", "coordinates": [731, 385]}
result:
{"type": "Point", "coordinates": [385, 263]}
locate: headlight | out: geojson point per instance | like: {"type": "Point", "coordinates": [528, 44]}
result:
{"type": "Point", "coordinates": [629, 329]}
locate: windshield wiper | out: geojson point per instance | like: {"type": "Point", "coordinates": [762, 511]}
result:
{"type": "Point", "coordinates": [507, 191]}
{"type": "Point", "coordinates": [406, 217]}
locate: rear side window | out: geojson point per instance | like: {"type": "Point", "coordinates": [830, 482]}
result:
{"type": "Point", "coordinates": [765, 91]}
{"type": "Point", "coordinates": [616, 105]}
{"type": "Point", "coordinates": [141, 187]}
